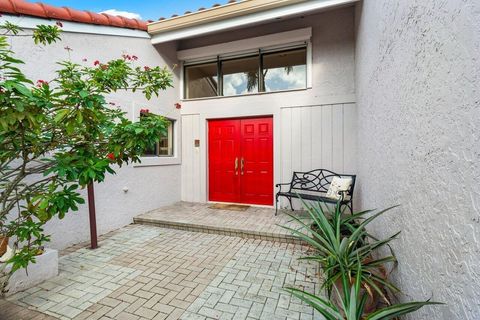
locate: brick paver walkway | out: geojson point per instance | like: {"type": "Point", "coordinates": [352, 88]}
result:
{"type": "Point", "coordinates": [143, 272]}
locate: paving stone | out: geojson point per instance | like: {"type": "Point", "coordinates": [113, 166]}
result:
{"type": "Point", "coordinates": [109, 302]}
{"type": "Point", "coordinates": [146, 313]}
{"type": "Point", "coordinates": [126, 316]}
{"type": "Point", "coordinates": [142, 272]}
{"type": "Point", "coordinates": [163, 308]}
{"type": "Point", "coordinates": [210, 313]}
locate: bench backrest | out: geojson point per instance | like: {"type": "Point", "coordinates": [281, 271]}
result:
{"type": "Point", "coordinates": [317, 180]}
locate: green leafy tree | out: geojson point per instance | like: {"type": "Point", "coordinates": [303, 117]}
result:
{"type": "Point", "coordinates": [58, 136]}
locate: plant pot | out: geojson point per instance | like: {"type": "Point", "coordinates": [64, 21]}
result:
{"type": "Point", "coordinates": [373, 297]}
{"type": "Point", "coordinates": [3, 245]}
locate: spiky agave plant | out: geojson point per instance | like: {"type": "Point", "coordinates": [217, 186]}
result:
{"type": "Point", "coordinates": [353, 301]}
{"type": "Point", "coordinates": [337, 250]}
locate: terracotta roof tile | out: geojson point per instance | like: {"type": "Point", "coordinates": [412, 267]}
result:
{"type": "Point", "coordinates": [54, 12]}
{"type": "Point", "coordinates": [22, 7]}
{"type": "Point", "coordinates": [34, 9]}
{"type": "Point", "coordinates": [114, 20]}
{"type": "Point", "coordinates": [98, 18]}
{"type": "Point", "coordinates": [216, 5]}
{"type": "Point", "coordinates": [6, 7]}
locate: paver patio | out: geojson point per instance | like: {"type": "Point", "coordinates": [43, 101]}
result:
{"type": "Point", "coordinates": [145, 272]}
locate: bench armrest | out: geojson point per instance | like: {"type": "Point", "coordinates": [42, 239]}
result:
{"type": "Point", "coordinates": [279, 185]}
{"type": "Point", "coordinates": [344, 194]}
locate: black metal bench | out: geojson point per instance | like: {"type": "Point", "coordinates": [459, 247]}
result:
{"type": "Point", "coordinates": [313, 186]}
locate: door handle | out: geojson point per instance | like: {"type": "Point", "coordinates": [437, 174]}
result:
{"type": "Point", "coordinates": [236, 166]}
{"type": "Point", "coordinates": [242, 163]}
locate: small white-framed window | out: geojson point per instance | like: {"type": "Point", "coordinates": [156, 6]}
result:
{"type": "Point", "coordinates": [165, 146]}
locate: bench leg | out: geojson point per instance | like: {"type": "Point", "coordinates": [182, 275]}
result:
{"type": "Point", "coordinates": [290, 200]}
{"type": "Point", "coordinates": [276, 204]}
{"type": "Point", "coordinates": [349, 205]}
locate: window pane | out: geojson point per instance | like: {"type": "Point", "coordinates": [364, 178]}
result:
{"type": "Point", "coordinates": [240, 76]}
{"type": "Point", "coordinates": [151, 151]}
{"type": "Point", "coordinates": [201, 81]}
{"type": "Point", "coordinates": [285, 70]}
{"type": "Point", "coordinates": [165, 145]}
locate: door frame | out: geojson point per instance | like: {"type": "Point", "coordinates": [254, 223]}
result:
{"type": "Point", "coordinates": [207, 158]}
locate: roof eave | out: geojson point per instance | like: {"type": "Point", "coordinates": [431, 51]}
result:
{"type": "Point", "coordinates": [234, 15]}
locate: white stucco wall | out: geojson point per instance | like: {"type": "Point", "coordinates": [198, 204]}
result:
{"type": "Point", "coordinates": [418, 101]}
{"type": "Point", "coordinates": [149, 187]}
{"type": "Point", "coordinates": [333, 87]}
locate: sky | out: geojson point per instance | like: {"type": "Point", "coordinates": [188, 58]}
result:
{"type": "Point", "coordinates": [275, 79]}
{"type": "Point", "coordinates": [143, 9]}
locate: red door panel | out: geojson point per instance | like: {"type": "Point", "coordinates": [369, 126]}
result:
{"type": "Point", "coordinates": [224, 147]}
{"type": "Point", "coordinates": [251, 142]}
{"type": "Point", "coordinates": [256, 182]}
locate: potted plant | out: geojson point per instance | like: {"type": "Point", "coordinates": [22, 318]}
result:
{"type": "Point", "coordinates": [347, 255]}
{"type": "Point", "coordinates": [353, 302]}
{"type": "Point", "coordinates": [341, 241]}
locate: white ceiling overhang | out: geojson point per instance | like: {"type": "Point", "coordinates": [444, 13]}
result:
{"type": "Point", "coordinates": [197, 28]}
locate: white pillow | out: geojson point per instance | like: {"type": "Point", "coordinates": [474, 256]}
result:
{"type": "Point", "coordinates": [336, 186]}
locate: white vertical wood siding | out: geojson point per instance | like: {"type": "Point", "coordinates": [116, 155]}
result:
{"type": "Point", "coordinates": [191, 174]}
{"type": "Point", "coordinates": [316, 137]}
{"type": "Point", "coordinates": [306, 138]}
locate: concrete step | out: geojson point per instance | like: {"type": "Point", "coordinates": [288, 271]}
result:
{"type": "Point", "coordinates": [228, 231]}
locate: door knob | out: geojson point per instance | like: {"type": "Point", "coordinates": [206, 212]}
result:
{"type": "Point", "coordinates": [242, 164]}
{"type": "Point", "coordinates": [236, 166]}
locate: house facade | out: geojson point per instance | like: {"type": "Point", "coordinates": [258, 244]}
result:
{"type": "Point", "coordinates": [308, 111]}
{"type": "Point", "coordinates": [387, 90]}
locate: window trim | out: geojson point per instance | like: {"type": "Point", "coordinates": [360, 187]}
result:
{"type": "Point", "coordinates": [286, 50]}
{"type": "Point", "coordinates": [258, 53]}
{"type": "Point", "coordinates": [172, 121]}
{"type": "Point", "coordinates": [279, 39]}
{"type": "Point", "coordinates": [183, 77]}
{"type": "Point", "coordinates": [220, 74]}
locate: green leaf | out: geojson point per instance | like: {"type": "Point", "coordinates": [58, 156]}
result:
{"type": "Point", "coordinates": [61, 114]}
{"type": "Point", "coordinates": [83, 94]}
{"type": "Point", "coordinates": [22, 89]}
{"type": "Point", "coordinates": [398, 310]}
{"type": "Point", "coordinates": [326, 308]}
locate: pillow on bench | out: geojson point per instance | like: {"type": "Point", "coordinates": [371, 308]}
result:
{"type": "Point", "coordinates": [337, 186]}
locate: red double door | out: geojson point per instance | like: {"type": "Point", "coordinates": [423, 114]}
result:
{"type": "Point", "coordinates": [240, 160]}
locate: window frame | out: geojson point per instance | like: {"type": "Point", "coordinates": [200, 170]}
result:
{"type": "Point", "coordinates": [164, 160]}
{"type": "Point", "coordinates": [220, 74]}
{"type": "Point", "coordinates": [157, 144]}
{"type": "Point", "coordinates": [261, 84]}
{"type": "Point", "coordinates": [281, 51]}
{"type": "Point", "coordinates": [184, 77]}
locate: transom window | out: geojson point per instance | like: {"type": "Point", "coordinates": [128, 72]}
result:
{"type": "Point", "coordinates": [266, 71]}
